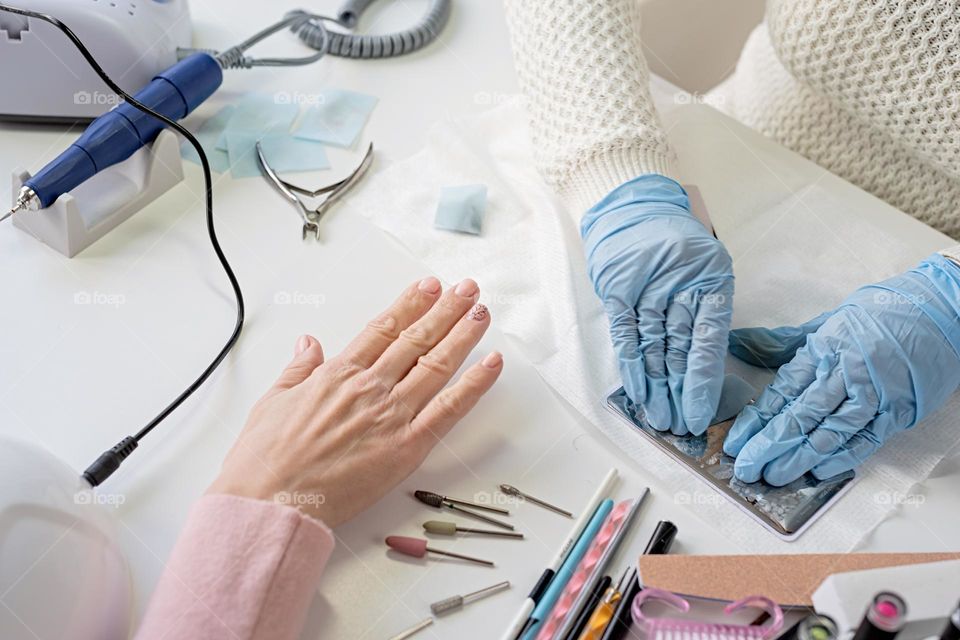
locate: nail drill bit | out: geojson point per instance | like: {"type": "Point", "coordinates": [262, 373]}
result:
{"type": "Point", "coordinates": [454, 603]}
{"type": "Point", "coordinates": [450, 528]}
{"type": "Point", "coordinates": [510, 490]}
{"type": "Point", "coordinates": [26, 199]}
{"type": "Point", "coordinates": [417, 547]}
{"type": "Point", "coordinates": [438, 501]}
{"type": "Point", "coordinates": [473, 505]}
{"type": "Point", "coordinates": [412, 631]}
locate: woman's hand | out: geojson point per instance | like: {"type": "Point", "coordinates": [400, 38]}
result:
{"type": "Point", "coordinates": [332, 437]}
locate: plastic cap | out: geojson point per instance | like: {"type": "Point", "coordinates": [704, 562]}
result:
{"type": "Point", "coordinates": [408, 546]}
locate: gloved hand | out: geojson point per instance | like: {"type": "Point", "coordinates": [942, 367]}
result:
{"type": "Point", "coordinates": [882, 361]}
{"type": "Point", "coordinates": [666, 284]}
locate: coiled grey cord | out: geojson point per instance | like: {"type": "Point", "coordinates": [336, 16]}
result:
{"type": "Point", "coordinates": [349, 45]}
{"type": "Point", "coordinates": [311, 30]}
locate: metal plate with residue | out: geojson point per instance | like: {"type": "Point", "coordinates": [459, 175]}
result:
{"type": "Point", "coordinates": [785, 510]}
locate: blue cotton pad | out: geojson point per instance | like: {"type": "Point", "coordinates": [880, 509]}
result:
{"type": "Point", "coordinates": [461, 208]}
{"type": "Point", "coordinates": [338, 120]}
{"type": "Point", "coordinates": [284, 154]}
{"type": "Point", "coordinates": [290, 154]}
{"type": "Point", "coordinates": [242, 152]}
{"type": "Point", "coordinates": [261, 114]}
{"type": "Point", "coordinates": [207, 134]}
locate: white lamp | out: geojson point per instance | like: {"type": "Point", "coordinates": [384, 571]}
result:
{"type": "Point", "coordinates": [62, 573]}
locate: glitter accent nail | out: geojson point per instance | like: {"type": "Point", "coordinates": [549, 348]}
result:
{"type": "Point", "coordinates": [478, 312]}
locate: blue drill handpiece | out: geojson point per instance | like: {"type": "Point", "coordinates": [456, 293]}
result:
{"type": "Point", "coordinates": [119, 133]}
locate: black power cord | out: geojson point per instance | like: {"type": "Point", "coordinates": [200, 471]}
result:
{"type": "Point", "coordinates": [108, 462]}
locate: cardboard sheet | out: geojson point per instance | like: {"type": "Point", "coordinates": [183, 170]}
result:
{"type": "Point", "coordinates": [787, 579]}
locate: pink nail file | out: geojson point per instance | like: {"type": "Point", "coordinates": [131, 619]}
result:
{"type": "Point", "coordinates": [587, 567]}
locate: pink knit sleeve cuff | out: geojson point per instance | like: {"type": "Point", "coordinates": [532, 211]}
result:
{"type": "Point", "coordinates": [241, 569]}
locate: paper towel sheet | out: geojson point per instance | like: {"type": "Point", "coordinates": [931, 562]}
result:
{"type": "Point", "coordinates": [530, 265]}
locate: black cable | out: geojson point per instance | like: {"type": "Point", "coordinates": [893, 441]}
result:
{"type": "Point", "coordinates": [111, 459]}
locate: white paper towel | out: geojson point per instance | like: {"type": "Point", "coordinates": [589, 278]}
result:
{"type": "Point", "coordinates": [794, 248]}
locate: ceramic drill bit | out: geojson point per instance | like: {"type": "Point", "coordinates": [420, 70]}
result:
{"type": "Point", "coordinates": [417, 547]}
{"type": "Point", "coordinates": [450, 528]}
{"type": "Point", "coordinates": [456, 602]}
{"type": "Point", "coordinates": [510, 490]}
{"type": "Point", "coordinates": [472, 505]}
{"type": "Point", "coordinates": [438, 501]}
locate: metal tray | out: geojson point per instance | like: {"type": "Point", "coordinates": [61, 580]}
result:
{"type": "Point", "coordinates": [786, 511]}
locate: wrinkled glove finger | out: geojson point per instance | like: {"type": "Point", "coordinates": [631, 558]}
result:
{"type": "Point", "coordinates": [857, 449]}
{"type": "Point", "coordinates": [679, 322]}
{"type": "Point", "coordinates": [626, 346]}
{"type": "Point", "coordinates": [703, 379]}
{"type": "Point", "coordinates": [791, 379]}
{"type": "Point", "coordinates": [788, 429]}
{"type": "Point", "coordinates": [772, 348]}
{"type": "Point", "coordinates": [651, 315]}
{"type": "Point", "coordinates": [857, 411]}
{"type": "Point", "coordinates": [851, 417]}
{"type": "Point", "coordinates": [792, 465]}
{"type": "Point", "coordinates": [854, 453]}
{"type": "Point", "coordinates": [819, 445]}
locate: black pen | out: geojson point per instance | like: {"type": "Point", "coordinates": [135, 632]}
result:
{"type": "Point", "coordinates": [659, 544]}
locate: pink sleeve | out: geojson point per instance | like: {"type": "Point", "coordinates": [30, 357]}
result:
{"type": "Point", "coordinates": [242, 569]}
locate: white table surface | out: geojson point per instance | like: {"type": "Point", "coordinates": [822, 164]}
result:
{"type": "Point", "coordinates": [77, 377]}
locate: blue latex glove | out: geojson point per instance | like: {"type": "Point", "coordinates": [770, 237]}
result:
{"type": "Point", "coordinates": [666, 284]}
{"type": "Point", "coordinates": [882, 361]}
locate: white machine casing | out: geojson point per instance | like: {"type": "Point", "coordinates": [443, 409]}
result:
{"type": "Point", "coordinates": [46, 78]}
{"type": "Point", "coordinates": [62, 572]}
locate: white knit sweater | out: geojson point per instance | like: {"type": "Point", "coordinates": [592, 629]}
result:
{"type": "Point", "coordinates": [869, 89]}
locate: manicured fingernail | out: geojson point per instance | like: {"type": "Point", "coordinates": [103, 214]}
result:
{"type": "Point", "coordinates": [478, 312]}
{"type": "Point", "coordinates": [429, 285]}
{"type": "Point", "coordinates": [493, 360]}
{"type": "Point", "coordinates": [303, 343]}
{"type": "Point", "coordinates": [468, 288]}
